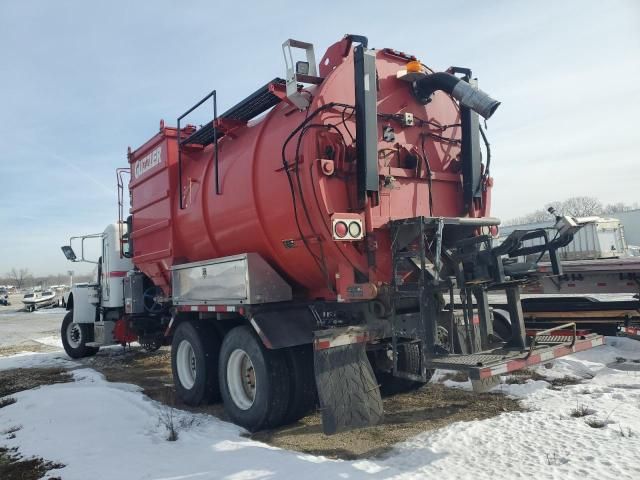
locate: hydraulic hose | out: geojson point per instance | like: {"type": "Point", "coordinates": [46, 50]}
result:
{"type": "Point", "coordinates": [464, 92]}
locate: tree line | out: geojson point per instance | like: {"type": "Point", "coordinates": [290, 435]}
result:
{"type": "Point", "coordinates": [574, 206]}
{"type": "Point", "coordinates": [23, 278]}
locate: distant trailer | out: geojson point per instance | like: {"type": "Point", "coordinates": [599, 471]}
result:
{"type": "Point", "coordinates": [575, 295]}
{"type": "Point", "coordinates": [631, 331]}
{"type": "Point", "coordinates": [610, 275]}
{"type": "Point", "coordinates": [605, 317]}
{"type": "Point", "coordinates": [599, 238]}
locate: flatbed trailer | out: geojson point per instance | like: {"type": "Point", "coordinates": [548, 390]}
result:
{"type": "Point", "coordinates": [582, 294]}
{"type": "Point", "coordinates": [599, 315]}
{"type": "Point", "coordinates": [631, 331]}
{"type": "Point", "coordinates": [600, 276]}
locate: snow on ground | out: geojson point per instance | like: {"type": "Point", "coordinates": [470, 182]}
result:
{"type": "Point", "coordinates": [109, 430]}
{"type": "Point", "coordinates": [36, 360]}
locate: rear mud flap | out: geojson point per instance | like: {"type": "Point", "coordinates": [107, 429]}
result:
{"type": "Point", "coordinates": [347, 388]}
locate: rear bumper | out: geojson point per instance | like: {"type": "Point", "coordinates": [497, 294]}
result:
{"type": "Point", "coordinates": [501, 361]}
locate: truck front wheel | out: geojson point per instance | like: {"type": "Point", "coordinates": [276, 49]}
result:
{"type": "Point", "coordinates": [194, 363]}
{"type": "Point", "coordinates": [254, 381]}
{"type": "Point", "coordinates": [75, 337]}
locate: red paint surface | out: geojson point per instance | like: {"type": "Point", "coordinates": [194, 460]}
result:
{"type": "Point", "coordinates": [123, 333]}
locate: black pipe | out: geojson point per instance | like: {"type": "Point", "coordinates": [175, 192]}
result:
{"type": "Point", "coordinates": [467, 95]}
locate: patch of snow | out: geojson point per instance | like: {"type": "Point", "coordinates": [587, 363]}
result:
{"type": "Point", "coordinates": [50, 311]}
{"type": "Point", "coordinates": [50, 340]}
{"type": "Point", "coordinates": [36, 360]}
{"type": "Point", "coordinates": [466, 385]}
{"type": "Point", "coordinates": [522, 390]}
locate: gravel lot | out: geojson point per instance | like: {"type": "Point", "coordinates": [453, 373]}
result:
{"type": "Point", "coordinates": [22, 331]}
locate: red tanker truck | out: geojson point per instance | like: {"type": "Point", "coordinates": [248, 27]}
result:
{"type": "Point", "coordinates": [310, 244]}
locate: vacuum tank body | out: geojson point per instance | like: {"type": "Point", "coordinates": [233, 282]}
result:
{"type": "Point", "coordinates": [282, 206]}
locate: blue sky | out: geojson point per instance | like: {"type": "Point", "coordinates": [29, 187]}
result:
{"type": "Point", "coordinates": [80, 81]}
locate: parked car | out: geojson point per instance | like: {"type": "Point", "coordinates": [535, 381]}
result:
{"type": "Point", "coordinates": [4, 297]}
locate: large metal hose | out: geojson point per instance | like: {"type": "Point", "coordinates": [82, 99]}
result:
{"type": "Point", "coordinates": [464, 92]}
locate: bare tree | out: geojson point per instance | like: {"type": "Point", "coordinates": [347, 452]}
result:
{"type": "Point", "coordinates": [10, 278]}
{"type": "Point", "coordinates": [574, 206]}
{"type": "Point", "coordinates": [534, 217]}
{"type": "Point", "coordinates": [619, 207]}
{"type": "Point", "coordinates": [19, 276]}
{"type": "Point", "coordinates": [581, 206]}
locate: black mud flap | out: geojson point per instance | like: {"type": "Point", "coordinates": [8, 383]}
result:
{"type": "Point", "coordinates": [347, 388]}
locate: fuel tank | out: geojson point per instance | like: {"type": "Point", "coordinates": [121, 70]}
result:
{"type": "Point", "coordinates": [281, 189]}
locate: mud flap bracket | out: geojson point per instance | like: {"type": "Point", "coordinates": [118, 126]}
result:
{"type": "Point", "coordinates": [347, 389]}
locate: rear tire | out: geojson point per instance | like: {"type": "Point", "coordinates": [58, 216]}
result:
{"type": "Point", "coordinates": [408, 361]}
{"type": "Point", "coordinates": [302, 395]}
{"type": "Point", "coordinates": [254, 382]}
{"type": "Point", "coordinates": [75, 337]}
{"type": "Point", "coordinates": [194, 363]}
{"type": "Point", "coordinates": [502, 326]}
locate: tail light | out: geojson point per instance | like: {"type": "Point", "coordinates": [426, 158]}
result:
{"type": "Point", "coordinates": [355, 229]}
{"type": "Point", "coordinates": [340, 229]}
{"type": "Point", "coordinates": [347, 227]}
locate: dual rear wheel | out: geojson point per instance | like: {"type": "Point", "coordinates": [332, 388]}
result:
{"type": "Point", "coordinates": [260, 388]}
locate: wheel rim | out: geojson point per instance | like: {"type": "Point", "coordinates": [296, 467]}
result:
{"type": "Point", "coordinates": [186, 364]}
{"type": "Point", "coordinates": [74, 335]}
{"type": "Point", "coordinates": [241, 379]}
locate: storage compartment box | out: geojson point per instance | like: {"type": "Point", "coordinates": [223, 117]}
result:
{"type": "Point", "coordinates": [239, 279]}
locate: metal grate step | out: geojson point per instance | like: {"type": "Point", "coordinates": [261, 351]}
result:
{"type": "Point", "coordinates": [203, 136]}
{"type": "Point", "coordinates": [472, 360]}
{"type": "Point", "coordinates": [500, 361]}
{"type": "Point", "coordinates": [543, 339]}
{"type": "Point", "coordinates": [258, 102]}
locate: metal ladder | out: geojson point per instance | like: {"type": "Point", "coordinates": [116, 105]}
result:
{"type": "Point", "coordinates": [237, 116]}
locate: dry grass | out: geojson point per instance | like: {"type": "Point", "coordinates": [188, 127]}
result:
{"type": "Point", "coordinates": [5, 402]}
{"type": "Point", "coordinates": [11, 432]}
{"type": "Point", "coordinates": [19, 379]}
{"type": "Point", "coordinates": [454, 377]}
{"type": "Point", "coordinates": [557, 383]}
{"type": "Point", "coordinates": [581, 411]}
{"type": "Point", "coordinates": [626, 432]}
{"type": "Point", "coordinates": [521, 376]}
{"type": "Point", "coordinates": [14, 467]}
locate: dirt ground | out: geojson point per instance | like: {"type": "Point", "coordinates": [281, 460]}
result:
{"type": "Point", "coordinates": [27, 346]}
{"type": "Point", "coordinates": [14, 467]}
{"type": "Point", "coordinates": [432, 406]}
{"type": "Point", "coordinates": [19, 379]}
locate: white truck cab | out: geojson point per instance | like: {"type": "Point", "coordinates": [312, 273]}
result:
{"type": "Point", "coordinates": [86, 327]}
{"type": "Point", "coordinates": [114, 268]}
